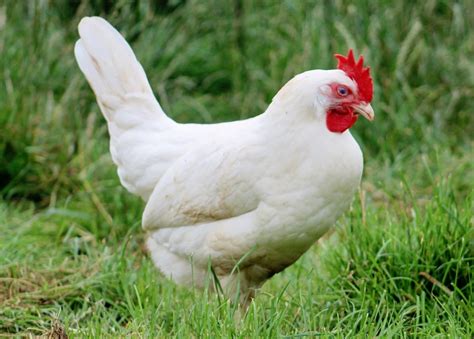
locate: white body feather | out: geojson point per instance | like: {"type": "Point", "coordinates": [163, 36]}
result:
{"type": "Point", "coordinates": [264, 189]}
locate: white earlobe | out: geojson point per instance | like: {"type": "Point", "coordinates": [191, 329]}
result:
{"type": "Point", "coordinates": [321, 101]}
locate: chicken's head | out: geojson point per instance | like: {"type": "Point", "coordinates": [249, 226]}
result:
{"type": "Point", "coordinates": [348, 101]}
{"type": "Point", "coordinates": [336, 97]}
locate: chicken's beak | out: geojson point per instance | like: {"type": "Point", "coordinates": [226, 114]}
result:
{"type": "Point", "coordinates": [365, 110]}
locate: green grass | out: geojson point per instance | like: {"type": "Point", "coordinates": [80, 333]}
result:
{"type": "Point", "coordinates": [400, 263]}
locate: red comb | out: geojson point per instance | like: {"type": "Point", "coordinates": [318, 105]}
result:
{"type": "Point", "coordinates": [358, 73]}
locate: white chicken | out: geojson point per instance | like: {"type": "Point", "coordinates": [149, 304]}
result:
{"type": "Point", "coordinates": [242, 199]}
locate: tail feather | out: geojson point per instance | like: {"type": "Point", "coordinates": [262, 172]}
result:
{"type": "Point", "coordinates": [112, 56]}
{"type": "Point", "coordinates": [126, 99]}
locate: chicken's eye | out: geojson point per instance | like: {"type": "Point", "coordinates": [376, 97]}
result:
{"type": "Point", "coordinates": [342, 91]}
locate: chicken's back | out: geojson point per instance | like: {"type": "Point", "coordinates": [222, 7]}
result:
{"type": "Point", "coordinates": [144, 142]}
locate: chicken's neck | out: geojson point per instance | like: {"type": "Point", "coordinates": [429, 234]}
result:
{"type": "Point", "coordinates": [283, 118]}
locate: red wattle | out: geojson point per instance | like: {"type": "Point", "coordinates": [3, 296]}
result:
{"type": "Point", "coordinates": [339, 120]}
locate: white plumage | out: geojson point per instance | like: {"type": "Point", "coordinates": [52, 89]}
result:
{"type": "Point", "coordinates": [257, 192]}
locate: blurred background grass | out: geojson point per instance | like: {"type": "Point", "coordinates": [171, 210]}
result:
{"type": "Point", "coordinates": [209, 61]}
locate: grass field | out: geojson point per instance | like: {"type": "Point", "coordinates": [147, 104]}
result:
{"type": "Point", "coordinates": [400, 263]}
